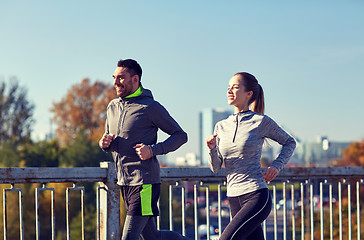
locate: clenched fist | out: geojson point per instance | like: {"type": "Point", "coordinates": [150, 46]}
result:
{"type": "Point", "coordinates": [106, 140]}
{"type": "Point", "coordinates": [143, 151]}
{"type": "Point", "coordinates": [211, 141]}
{"type": "Point", "coordinates": [270, 174]}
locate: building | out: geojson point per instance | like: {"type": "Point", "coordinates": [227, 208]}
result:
{"type": "Point", "coordinates": [207, 119]}
{"type": "Point", "coordinates": [321, 152]}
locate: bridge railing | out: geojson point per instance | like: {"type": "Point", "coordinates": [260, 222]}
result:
{"type": "Point", "coordinates": [308, 203]}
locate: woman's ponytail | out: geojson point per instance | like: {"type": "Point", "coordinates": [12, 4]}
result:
{"type": "Point", "coordinates": [258, 103]}
{"type": "Point", "coordinates": [251, 84]}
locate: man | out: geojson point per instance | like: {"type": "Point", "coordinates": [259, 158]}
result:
{"type": "Point", "coordinates": [132, 122]}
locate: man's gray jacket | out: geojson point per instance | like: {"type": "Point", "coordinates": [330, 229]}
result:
{"type": "Point", "coordinates": [136, 120]}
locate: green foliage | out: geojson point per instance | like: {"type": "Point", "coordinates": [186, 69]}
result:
{"type": "Point", "coordinates": [83, 152]}
{"type": "Point", "coordinates": [40, 154]}
{"type": "Point", "coordinates": [9, 156]}
{"type": "Point", "coordinates": [29, 154]}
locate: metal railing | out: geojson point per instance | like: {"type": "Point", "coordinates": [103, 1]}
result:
{"type": "Point", "coordinates": [308, 203]}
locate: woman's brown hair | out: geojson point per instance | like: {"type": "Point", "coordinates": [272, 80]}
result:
{"type": "Point", "coordinates": [251, 84]}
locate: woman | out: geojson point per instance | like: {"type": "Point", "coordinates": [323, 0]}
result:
{"type": "Point", "coordinates": [237, 142]}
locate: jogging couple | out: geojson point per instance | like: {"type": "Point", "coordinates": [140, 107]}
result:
{"type": "Point", "coordinates": [133, 119]}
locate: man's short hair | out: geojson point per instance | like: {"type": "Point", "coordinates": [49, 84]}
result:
{"type": "Point", "coordinates": [132, 66]}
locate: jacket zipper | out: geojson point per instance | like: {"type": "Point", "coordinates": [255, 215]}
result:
{"type": "Point", "coordinates": [236, 128]}
{"type": "Point", "coordinates": [122, 117]}
{"type": "Point", "coordinates": [120, 124]}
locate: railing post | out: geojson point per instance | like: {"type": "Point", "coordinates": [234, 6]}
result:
{"type": "Point", "coordinates": [108, 219]}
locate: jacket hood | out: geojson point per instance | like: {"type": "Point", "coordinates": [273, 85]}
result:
{"type": "Point", "coordinates": [146, 93]}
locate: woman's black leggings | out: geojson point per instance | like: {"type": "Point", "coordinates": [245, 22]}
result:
{"type": "Point", "coordinates": [248, 211]}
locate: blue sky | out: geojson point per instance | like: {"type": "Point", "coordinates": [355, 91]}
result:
{"type": "Point", "coordinates": [308, 56]}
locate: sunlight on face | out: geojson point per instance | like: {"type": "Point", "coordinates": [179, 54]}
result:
{"type": "Point", "coordinates": [237, 95]}
{"type": "Point", "coordinates": [122, 82]}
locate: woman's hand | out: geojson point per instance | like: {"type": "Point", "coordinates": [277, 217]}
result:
{"type": "Point", "coordinates": [211, 141]}
{"type": "Point", "coordinates": [270, 174]}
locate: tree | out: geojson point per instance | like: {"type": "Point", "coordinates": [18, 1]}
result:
{"type": "Point", "coordinates": [40, 154]}
{"type": "Point", "coordinates": [353, 155]}
{"type": "Point", "coordinates": [82, 109]}
{"type": "Point", "coordinates": [9, 156]}
{"type": "Point", "coordinates": [16, 113]}
{"type": "Point", "coordinates": [83, 152]}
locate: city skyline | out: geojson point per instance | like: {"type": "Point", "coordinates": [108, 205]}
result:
{"type": "Point", "coordinates": [308, 57]}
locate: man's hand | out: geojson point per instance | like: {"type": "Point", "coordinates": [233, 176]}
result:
{"type": "Point", "coordinates": [143, 151]}
{"type": "Point", "coordinates": [211, 141]}
{"type": "Point", "coordinates": [270, 174]}
{"type": "Point", "coordinates": [106, 140]}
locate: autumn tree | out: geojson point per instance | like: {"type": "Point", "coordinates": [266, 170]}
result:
{"type": "Point", "coordinates": [83, 108]}
{"type": "Point", "coordinates": [16, 113]}
{"type": "Point", "coordinates": [353, 155]}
